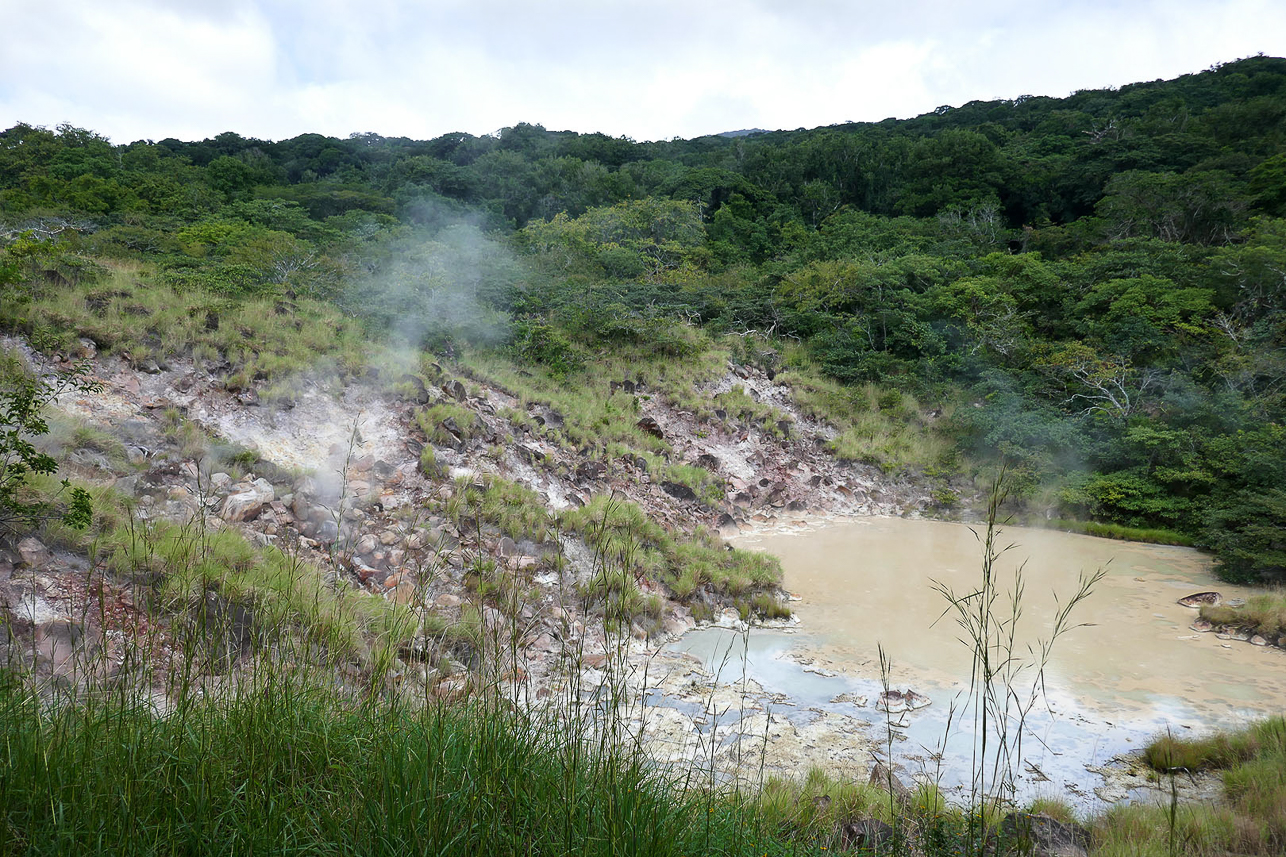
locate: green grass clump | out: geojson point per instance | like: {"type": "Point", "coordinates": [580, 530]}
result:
{"type": "Point", "coordinates": [624, 537]}
{"type": "Point", "coordinates": [514, 509]}
{"type": "Point", "coordinates": [884, 427]}
{"type": "Point", "coordinates": [128, 311]}
{"type": "Point", "coordinates": [285, 765]}
{"type": "Point", "coordinates": [1263, 614]}
{"type": "Point", "coordinates": [282, 593]}
{"type": "Point", "coordinates": [1120, 532]}
{"type": "Point", "coordinates": [1253, 821]}
{"type": "Point", "coordinates": [1221, 751]}
{"type": "Point", "coordinates": [432, 420]}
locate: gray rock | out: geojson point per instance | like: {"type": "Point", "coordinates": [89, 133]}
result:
{"type": "Point", "coordinates": [33, 552]}
{"type": "Point", "coordinates": [246, 504]}
{"type": "Point", "coordinates": [327, 532]}
{"type": "Point", "coordinates": [867, 836]}
{"type": "Point", "coordinates": [678, 490]}
{"type": "Point", "coordinates": [1199, 598]}
{"type": "Point", "coordinates": [1043, 836]}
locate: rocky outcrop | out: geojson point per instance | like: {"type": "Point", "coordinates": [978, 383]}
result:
{"type": "Point", "coordinates": [246, 504]}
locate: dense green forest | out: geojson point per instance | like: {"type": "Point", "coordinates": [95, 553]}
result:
{"type": "Point", "coordinates": [1092, 288]}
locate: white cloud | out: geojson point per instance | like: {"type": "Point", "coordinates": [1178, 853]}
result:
{"type": "Point", "coordinates": [276, 68]}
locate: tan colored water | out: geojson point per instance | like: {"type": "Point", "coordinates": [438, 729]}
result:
{"type": "Point", "coordinates": [869, 581]}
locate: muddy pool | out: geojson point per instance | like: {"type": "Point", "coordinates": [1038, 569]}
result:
{"type": "Point", "coordinates": [1136, 667]}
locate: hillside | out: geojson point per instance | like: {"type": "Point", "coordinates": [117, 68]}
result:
{"type": "Point", "coordinates": [473, 414]}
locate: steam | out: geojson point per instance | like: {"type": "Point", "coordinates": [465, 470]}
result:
{"type": "Point", "coordinates": [438, 286]}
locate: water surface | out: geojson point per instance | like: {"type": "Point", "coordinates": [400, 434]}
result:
{"type": "Point", "coordinates": [1136, 670]}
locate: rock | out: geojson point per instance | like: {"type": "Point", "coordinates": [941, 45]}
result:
{"type": "Point", "coordinates": [727, 524]}
{"type": "Point", "coordinates": [530, 454]}
{"type": "Point", "coordinates": [1043, 836]}
{"type": "Point", "coordinates": [366, 573]}
{"type": "Point", "coordinates": [882, 778]}
{"type": "Point", "coordinates": [867, 836]}
{"type": "Point", "coordinates": [895, 701]}
{"type": "Point", "coordinates": [650, 426]}
{"type": "Point", "coordinates": [1199, 598]}
{"type": "Point", "coordinates": [1202, 626]}
{"type": "Point", "coordinates": [708, 461]}
{"type": "Point", "coordinates": [246, 504]}
{"type": "Point", "coordinates": [458, 390]}
{"type": "Point", "coordinates": [57, 641]}
{"type": "Point", "coordinates": [220, 481]}
{"type": "Point", "coordinates": [508, 547]}
{"type": "Point", "coordinates": [366, 545]}
{"type": "Point", "coordinates": [388, 538]}
{"type": "Point", "coordinates": [1258, 641]}
{"type": "Point", "coordinates": [588, 471]}
{"type": "Point", "coordinates": [450, 426]}
{"type": "Point", "coordinates": [33, 552]}
{"type": "Point", "coordinates": [327, 532]}
{"type": "Point", "coordinates": [447, 599]}
{"type": "Point", "coordinates": [678, 490]}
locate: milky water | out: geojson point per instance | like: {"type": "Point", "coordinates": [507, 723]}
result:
{"type": "Point", "coordinates": [1137, 670]}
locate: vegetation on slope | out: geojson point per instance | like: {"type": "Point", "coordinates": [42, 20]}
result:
{"type": "Point", "coordinates": [1087, 287]}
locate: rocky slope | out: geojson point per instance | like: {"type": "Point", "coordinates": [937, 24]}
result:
{"type": "Point", "coordinates": [331, 473]}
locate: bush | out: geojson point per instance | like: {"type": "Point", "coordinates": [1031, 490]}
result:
{"type": "Point", "coordinates": [22, 398]}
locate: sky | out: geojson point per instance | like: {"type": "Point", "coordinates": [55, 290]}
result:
{"type": "Point", "coordinates": [272, 69]}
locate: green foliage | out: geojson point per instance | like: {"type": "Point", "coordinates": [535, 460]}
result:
{"type": "Point", "coordinates": [1058, 276]}
{"type": "Point", "coordinates": [537, 341]}
{"type": "Point", "coordinates": [23, 398]}
{"type": "Point", "coordinates": [629, 546]}
{"type": "Point", "coordinates": [287, 764]}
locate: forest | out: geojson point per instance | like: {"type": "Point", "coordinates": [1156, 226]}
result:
{"type": "Point", "coordinates": [1090, 289]}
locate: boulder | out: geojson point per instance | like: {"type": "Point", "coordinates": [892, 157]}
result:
{"type": "Point", "coordinates": [1043, 836]}
{"type": "Point", "coordinates": [651, 426]}
{"type": "Point", "coordinates": [678, 491]}
{"type": "Point", "coordinates": [708, 461]}
{"type": "Point", "coordinates": [366, 545]}
{"type": "Point", "coordinates": [589, 471]}
{"type": "Point", "coordinates": [245, 504]}
{"type": "Point", "coordinates": [895, 701]}
{"type": "Point", "coordinates": [884, 779]}
{"type": "Point", "coordinates": [1197, 599]}
{"type": "Point", "coordinates": [33, 552]}
{"type": "Point", "coordinates": [867, 836]}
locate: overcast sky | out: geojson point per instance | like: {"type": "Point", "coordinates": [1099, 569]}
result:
{"type": "Point", "coordinates": [149, 69]}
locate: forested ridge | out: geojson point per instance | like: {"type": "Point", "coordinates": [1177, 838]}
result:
{"type": "Point", "coordinates": [1091, 288]}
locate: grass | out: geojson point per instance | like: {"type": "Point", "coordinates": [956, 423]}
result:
{"type": "Point", "coordinates": [514, 509]}
{"type": "Point", "coordinates": [1119, 532]}
{"type": "Point", "coordinates": [1263, 614]}
{"type": "Point", "coordinates": [877, 425]}
{"type": "Point", "coordinates": [284, 766]}
{"type": "Point", "coordinates": [625, 538]}
{"type": "Point", "coordinates": [1252, 820]}
{"type": "Point", "coordinates": [129, 312]}
{"type": "Point", "coordinates": [437, 421]}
